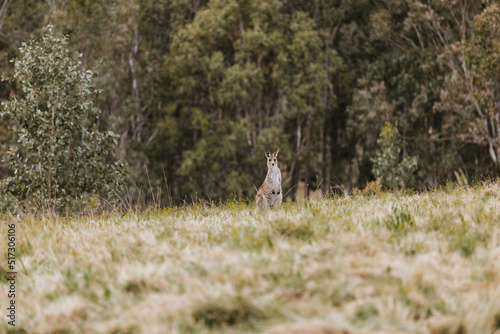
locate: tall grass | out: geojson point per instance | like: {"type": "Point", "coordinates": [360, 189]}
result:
{"type": "Point", "coordinates": [376, 263]}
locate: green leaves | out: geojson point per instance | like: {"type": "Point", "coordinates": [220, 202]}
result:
{"type": "Point", "coordinates": [248, 68]}
{"type": "Point", "coordinates": [318, 79]}
{"type": "Point", "coordinates": [60, 157]}
{"type": "Point", "coordinates": [471, 93]}
{"type": "Point", "coordinates": [387, 166]}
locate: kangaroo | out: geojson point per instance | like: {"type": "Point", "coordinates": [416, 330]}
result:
{"type": "Point", "coordinates": [269, 194]}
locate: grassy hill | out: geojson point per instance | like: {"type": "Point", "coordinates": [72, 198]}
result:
{"type": "Point", "coordinates": [414, 263]}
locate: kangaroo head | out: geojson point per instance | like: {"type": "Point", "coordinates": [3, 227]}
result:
{"type": "Point", "coordinates": [272, 159]}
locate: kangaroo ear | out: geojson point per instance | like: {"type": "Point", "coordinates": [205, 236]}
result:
{"type": "Point", "coordinates": [268, 154]}
{"type": "Point", "coordinates": [276, 153]}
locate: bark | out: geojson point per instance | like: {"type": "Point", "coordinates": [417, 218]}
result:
{"type": "Point", "coordinates": [3, 12]}
{"type": "Point", "coordinates": [308, 155]}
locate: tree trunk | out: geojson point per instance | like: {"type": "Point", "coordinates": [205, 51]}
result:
{"type": "Point", "coordinates": [323, 157]}
{"type": "Point", "coordinates": [308, 155]}
{"type": "Point", "coordinates": [3, 12]}
{"type": "Point", "coordinates": [294, 169]}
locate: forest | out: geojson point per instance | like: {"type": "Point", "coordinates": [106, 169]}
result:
{"type": "Point", "coordinates": [405, 92]}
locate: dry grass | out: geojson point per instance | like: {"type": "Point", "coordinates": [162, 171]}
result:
{"type": "Point", "coordinates": [417, 263]}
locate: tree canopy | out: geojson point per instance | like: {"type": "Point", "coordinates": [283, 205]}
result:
{"type": "Point", "coordinates": [198, 90]}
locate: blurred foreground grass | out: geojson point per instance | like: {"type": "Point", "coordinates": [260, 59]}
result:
{"type": "Point", "coordinates": [415, 263]}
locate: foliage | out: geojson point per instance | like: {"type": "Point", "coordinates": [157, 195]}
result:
{"type": "Point", "coordinates": [8, 202]}
{"type": "Point", "coordinates": [387, 164]}
{"type": "Point", "coordinates": [18, 21]}
{"type": "Point", "coordinates": [197, 90]}
{"type": "Point", "coordinates": [472, 92]}
{"type": "Point", "coordinates": [240, 78]}
{"type": "Point", "coordinates": [61, 156]}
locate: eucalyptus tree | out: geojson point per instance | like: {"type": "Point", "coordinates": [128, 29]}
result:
{"type": "Point", "coordinates": [470, 98]}
{"type": "Point", "coordinates": [126, 42]}
{"type": "Point", "coordinates": [249, 76]}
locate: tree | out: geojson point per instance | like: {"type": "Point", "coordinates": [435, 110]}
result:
{"type": "Point", "coordinates": [198, 89]}
{"type": "Point", "coordinates": [127, 42]}
{"type": "Point", "coordinates": [387, 164]}
{"type": "Point", "coordinates": [471, 95]}
{"type": "Point", "coordinates": [61, 156]}
{"type": "Point", "coordinates": [252, 74]}
{"type": "Point", "coordinates": [18, 20]}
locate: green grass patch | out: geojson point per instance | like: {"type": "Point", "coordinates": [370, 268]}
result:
{"type": "Point", "coordinates": [399, 221]}
{"type": "Point", "coordinates": [232, 312]}
{"type": "Point", "coordinates": [303, 231]}
{"type": "Point", "coordinates": [365, 312]}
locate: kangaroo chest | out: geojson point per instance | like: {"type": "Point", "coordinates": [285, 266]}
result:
{"type": "Point", "coordinates": [274, 179]}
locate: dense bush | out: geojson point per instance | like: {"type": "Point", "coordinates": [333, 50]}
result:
{"type": "Point", "coordinates": [388, 166]}
{"type": "Point", "coordinates": [60, 155]}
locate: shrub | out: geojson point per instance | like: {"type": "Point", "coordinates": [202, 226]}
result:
{"type": "Point", "coordinates": [7, 201]}
{"type": "Point", "coordinates": [61, 157]}
{"type": "Point", "coordinates": [387, 166]}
